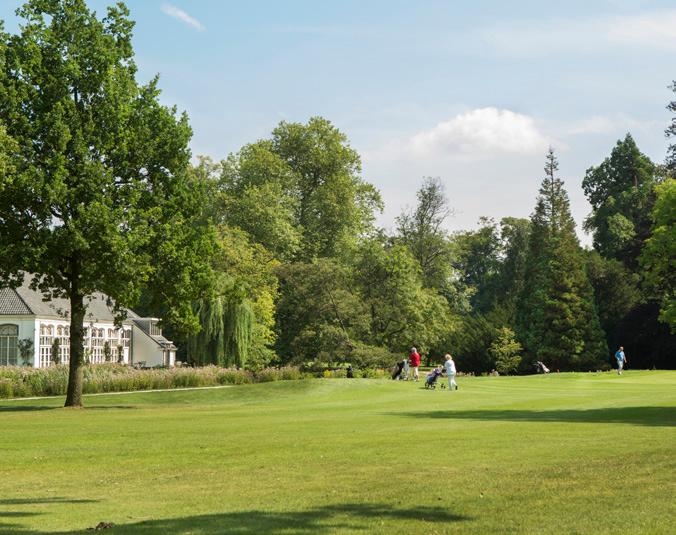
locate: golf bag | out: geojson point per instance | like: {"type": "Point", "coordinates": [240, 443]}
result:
{"type": "Point", "coordinates": [396, 371]}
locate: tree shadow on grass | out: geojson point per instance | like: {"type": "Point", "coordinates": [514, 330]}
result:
{"type": "Point", "coordinates": [32, 408]}
{"type": "Point", "coordinates": [327, 519]}
{"type": "Point", "coordinates": [10, 515]}
{"type": "Point", "coordinates": [37, 501]}
{"type": "Point", "coordinates": [648, 416]}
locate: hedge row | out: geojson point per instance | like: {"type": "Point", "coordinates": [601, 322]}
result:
{"type": "Point", "coordinates": [16, 382]}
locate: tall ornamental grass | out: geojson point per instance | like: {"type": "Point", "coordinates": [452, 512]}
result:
{"type": "Point", "coordinates": [17, 382]}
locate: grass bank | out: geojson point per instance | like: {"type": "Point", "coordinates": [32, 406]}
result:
{"type": "Point", "coordinates": [563, 453]}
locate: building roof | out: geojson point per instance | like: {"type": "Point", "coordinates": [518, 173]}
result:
{"type": "Point", "coordinates": [24, 301]}
{"type": "Point", "coordinates": [11, 304]}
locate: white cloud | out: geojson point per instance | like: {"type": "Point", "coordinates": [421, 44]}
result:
{"type": "Point", "coordinates": [181, 15]}
{"type": "Point", "coordinates": [480, 133]}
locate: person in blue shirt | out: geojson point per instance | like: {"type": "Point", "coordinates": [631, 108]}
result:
{"type": "Point", "coordinates": [621, 360]}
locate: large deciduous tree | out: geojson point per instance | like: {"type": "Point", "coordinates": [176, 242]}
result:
{"type": "Point", "coordinates": [299, 193]}
{"type": "Point", "coordinates": [620, 191]}
{"type": "Point", "coordinates": [659, 256]}
{"type": "Point", "coordinates": [616, 293]}
{"type": "Point", "coordinates": [335, 205]}
{"type": "Point", "coordinates": [237, 319]}
{"type": "Point", "coordinates": [422, 230]}
{"type": "Point", "coordinates": [98, 198]}
{"type": "Point", "coordinates": [514, 236]}
{"type": "Point", "coordinates": [477, 259]}
{"type": "Point", "coordinates": [320, 316]}
{"type": "Point", "coordinates": [556, 317]}
{"type": "Point", "coordinates": [403, 313]}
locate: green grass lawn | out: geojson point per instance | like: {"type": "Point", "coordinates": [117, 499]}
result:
{"type": "Point", "coordinates": [568, 453]}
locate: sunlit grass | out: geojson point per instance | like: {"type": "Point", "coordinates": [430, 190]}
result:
{"type": "Point", "coordinates": [569, 453]}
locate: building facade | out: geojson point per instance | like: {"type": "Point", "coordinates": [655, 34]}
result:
{"type": "Point", "coordinates": [34, 332]}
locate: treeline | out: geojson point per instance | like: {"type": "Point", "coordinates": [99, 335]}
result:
{"type": "Point", "coordinates": [272, 256]}
{"type": "Point", "coordinates": [303, 273]}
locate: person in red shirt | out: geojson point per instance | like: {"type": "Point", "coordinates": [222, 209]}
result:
{"type": "Point", "coordinates": [414, 361]}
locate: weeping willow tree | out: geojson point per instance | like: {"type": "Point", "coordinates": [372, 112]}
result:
{"type": "Point", "coordinates": [226, 334]}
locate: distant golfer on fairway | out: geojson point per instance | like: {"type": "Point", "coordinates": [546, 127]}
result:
{"type": "Point", "coordinates": [414, 361]}
{"type": "Point", "coordinates": [621, 360]}
{"type": "Point", "coordinates": [450, 371]}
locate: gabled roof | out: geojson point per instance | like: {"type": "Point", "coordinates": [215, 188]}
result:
{"type": "Point", "coordinates": [11, 304]}
{"type": "Point", "coordinates": [24, 301]}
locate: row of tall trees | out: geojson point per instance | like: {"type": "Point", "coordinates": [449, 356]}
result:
{"type": "Point", "coordinates": [526, 284]}
{"type": "Point", "coordinates": [572, 307]}
{"type": "Point", "coordinates": [273, 256]}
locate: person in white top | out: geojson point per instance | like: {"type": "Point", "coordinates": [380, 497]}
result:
{"type": "Point", "coordinates": [450, 372]}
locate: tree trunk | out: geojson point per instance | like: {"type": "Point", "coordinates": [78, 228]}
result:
{"type": "Point", "coordinates": [77, 314]}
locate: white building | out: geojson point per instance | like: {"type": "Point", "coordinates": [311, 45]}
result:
{"type": "Point", "coordinates": [26, 320]}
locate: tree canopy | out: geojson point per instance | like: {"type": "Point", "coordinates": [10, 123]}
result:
{"type": "Point", "coordinates": [99, 198]}
{"type": "Point", "coordinates": [659, 256]}
{"type": "Point", "coordinates": [620, 191]}
{"type": "Point", "coordinates": [274, 254]}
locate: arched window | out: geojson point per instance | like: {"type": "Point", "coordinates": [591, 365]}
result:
{"type": "Point", "coordinates": [59, 331]}
{"type": "Point", "coordinates": [9, 336]}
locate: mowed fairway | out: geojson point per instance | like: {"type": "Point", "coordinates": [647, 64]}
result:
{"type": "Point", "coordinates": [568, 453]}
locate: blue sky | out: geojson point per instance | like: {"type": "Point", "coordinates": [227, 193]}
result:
{"type": "Point", "coordinates": [472, 92]}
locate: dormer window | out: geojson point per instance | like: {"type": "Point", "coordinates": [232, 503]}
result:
{"type": "Point", "coordinates": [154, 329]}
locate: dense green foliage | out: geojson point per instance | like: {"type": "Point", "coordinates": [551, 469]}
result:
{"type": "Point", "coordinates": [273, 256]}
{"type": "Point", "coordinates": [620, 191]}
{"type": "Point", "coordinates": [350, 457]}
{"type": "Point", "coordinates": [659, 255]}
{"type": "Point", "coordinates": [629, 268]}
{"type": "Point", "coordinates": [505, 351]}
{"type": "Point", "coordinates": [556, 315]}
{"type": "Point", "coordinates": [98, 198]}
{"type": "Point", "coordinates": [422, 231]}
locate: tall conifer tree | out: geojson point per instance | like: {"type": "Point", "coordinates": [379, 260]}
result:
{"type": "Point", "coordinates": [557, 319]}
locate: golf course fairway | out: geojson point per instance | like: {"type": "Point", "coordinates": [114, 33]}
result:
{"type": "Point", "coordinates": [559, 453]}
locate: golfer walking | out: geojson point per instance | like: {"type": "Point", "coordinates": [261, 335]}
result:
{"type": "Point", "coordinates": [450, 372]}
{"type": "Point", "coordinates": [621, 360]}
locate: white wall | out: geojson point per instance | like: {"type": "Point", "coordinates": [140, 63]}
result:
{"type": "Point", "coordinates": [142, 347]}
{"type": "Point", "coordinates": [95, 352]}
{"type": "Point", "coordinates": [145, 349]}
